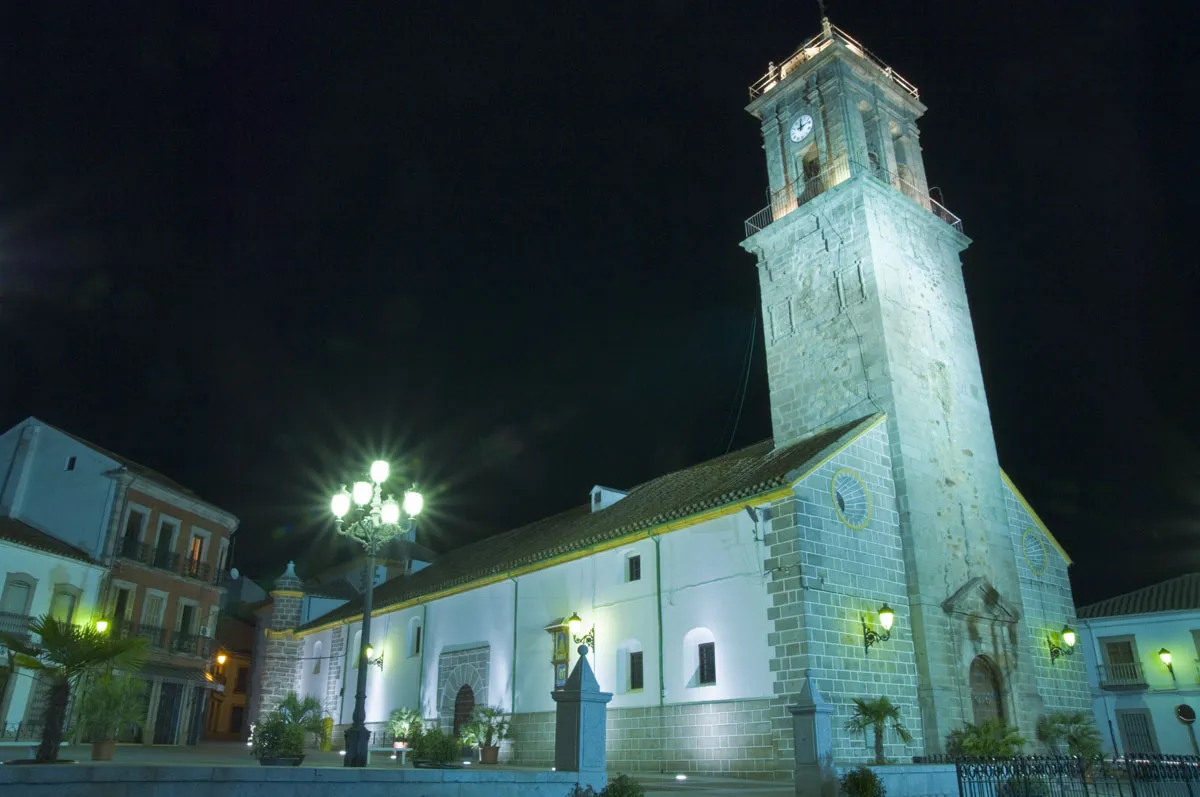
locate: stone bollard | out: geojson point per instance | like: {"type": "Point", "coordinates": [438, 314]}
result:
{"type": "Point", "coordinates": [813, 738]}
{"type": "Point", "coordinates": [580, 731]}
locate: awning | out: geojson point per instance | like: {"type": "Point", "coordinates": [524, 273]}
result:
{"type": "Point", "coordinates": [187, 676]}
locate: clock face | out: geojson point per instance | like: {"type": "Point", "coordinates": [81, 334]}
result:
{"type": "Point", "coordinates": [801, 127]}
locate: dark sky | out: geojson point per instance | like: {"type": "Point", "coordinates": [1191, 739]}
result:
{"type": "Point", "coordinates": [254, 245]}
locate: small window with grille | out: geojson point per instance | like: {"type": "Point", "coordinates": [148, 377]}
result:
{"type": "Point", "coordinates": [708, 663]}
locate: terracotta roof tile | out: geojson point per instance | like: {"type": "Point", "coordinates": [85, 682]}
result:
{"type": "Point", "coordinates": [13, 530]}
{"type": "Point", "coordinates": [1176, 594]}
{"type": "Point", "coordinates": [737, 476]}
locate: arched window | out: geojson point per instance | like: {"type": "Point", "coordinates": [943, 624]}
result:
{"type": "Point", "coordinates": [631, 674]}
{"type": "Point", "coordinates": [356, 651]}
{"type": "Point", "coordinates": [699, 658]}
{"type": "Point", "coordinates": [986, 697]}
{"type": "Point", "coordinates": [317, 651]}
{"type": "Point", "coordinates": [464, 707]}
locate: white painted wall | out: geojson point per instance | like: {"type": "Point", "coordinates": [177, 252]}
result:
{"type": "Point", "coordinates": [1151, 632]}
{"type": "Point", "coordinates": [47, 571]}
{"type": "Point", "coordinates": [711, 579]}
{"type": "Point", "coordinates": [37, 480]}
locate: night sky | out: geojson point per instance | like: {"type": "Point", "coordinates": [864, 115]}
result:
{"type": "Point", "coordinates": [257, 245]}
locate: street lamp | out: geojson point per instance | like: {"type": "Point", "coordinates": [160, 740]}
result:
{"type": "Point", "coordinates": [364, 515]}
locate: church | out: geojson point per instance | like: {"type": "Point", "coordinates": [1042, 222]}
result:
{"type": "Point", "coordinates": [874, 547]}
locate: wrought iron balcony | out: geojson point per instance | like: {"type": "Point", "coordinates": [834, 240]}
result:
{"type": "Point", "coordinates": [194, 568]}
{"type": "Point", "coordinates": [1127, 677]}
{"type": "Point", "coordinates": [802, 190]}
{"type": "Point", "coordinates": [164, 559]}
{"type": "Point", "coordinates": [15, 624]}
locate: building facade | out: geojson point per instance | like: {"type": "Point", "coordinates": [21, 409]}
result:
{"type": "Point", "coordinates": [720, 593]}
{"type": "Point", "coordinates": [39, 575]}
{"type": "Point", "coordinates": [1142, 653]}
{"type": "Point", "coordinates": [164, 548]}
{"type": "Point", "coordinates": [228, 715]}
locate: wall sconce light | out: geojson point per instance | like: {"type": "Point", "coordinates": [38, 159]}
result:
{"type": "Point", "coordinates": [870, 636]}
{"type": "Point", "coordinates": [1164, 656]}
{"type": "Point", "coordinates": [221, 659]}
{"type": "Point", "coordinates": [574, 623]}
{"type": "Point", "coordinates": [1068, 644]}
{"type": "Point", "coordinates": [102, 626]}
{"type": "Point", "coordinates": [372, 661]}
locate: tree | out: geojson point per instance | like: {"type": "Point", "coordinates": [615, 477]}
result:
{"type": "Point", "coordinates": [64, 654]}
{"type": "Point", "coordinates": [303, 712]}
{"type": "Point", "coordinates": [1074, 728]}
{"type": "Point", "coordinates": [991, 739]}
{"type": "Point", "coordinates": [876, 714]}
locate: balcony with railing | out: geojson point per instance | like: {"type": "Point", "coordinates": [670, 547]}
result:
{"type": "Point", "coordinates": [1123, 677]}
{"type": "Point", "coordinates": [15, 624]}
{"type": "Point", "coordinates": [802, 190]}
{"type": "Point", "coordinates": [164, 559]}
{"type": "Point", "coordinates": [165, 640]}
{"type": "Point", "coordinates": [829, 36]}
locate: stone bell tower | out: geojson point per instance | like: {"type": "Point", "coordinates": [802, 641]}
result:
{"type": "Point", "coordinates": [865, 310]}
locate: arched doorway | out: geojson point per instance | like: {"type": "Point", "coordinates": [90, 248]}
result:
{"type": "Point", "coordinates": [987, 700]}
{"type": "Point", "coordinates": [464, 707]}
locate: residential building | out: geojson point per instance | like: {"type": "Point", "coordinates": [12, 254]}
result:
{"type": "Point", "coordinates": [227, 717]}
{"type": "Point", "coordinates": [1142, 652]}
{"type": "Point", "coordinates": [165, 549]}
{"type": "Point", "coordinates": [40, 575]}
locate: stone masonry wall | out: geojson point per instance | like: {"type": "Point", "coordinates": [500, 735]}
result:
{"type": "Point", "coordinates": [1049, 605]}
{"type": "Point", "coordinates": [826, 577]}
{"type": "Point", "coordinates": [279, 671]}
{"type": "Point", "coordinates": [722, 737]}
{"type": "Point", "coordinates": [336, 661]}
{"type": "Point", "coordinates": [457, 669]}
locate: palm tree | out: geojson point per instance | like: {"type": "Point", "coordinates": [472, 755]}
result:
{"type": "Point", "coordinates": [877, 714]}
{"type": "Point", "coordinates": [64, 654]}
{"type": "Point", "coordinates": [305, 712]}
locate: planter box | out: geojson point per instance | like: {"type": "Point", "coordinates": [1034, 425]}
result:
{"type": "Point", "coordinates": [289, 761]}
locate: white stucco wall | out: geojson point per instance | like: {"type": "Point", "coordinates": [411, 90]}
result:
{"type": "Point", "coordinates": [37, 480]}
{"type": "Point", "coordinates": [47, 571]}
{"type": "Point", "coordinates": [1151, 632]}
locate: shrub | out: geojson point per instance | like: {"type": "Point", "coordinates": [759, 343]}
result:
{"type": "Point", "coordinates": [488, 728]}
{"type": "Point", "coordinates": [1075, 729]}
{"type": "Point", "coordinates": [991, 739]}
{"type": "Point", "coordinates": [582, 791]}
{"type": "Point", "coordinates": [623, 786]}
{"type": "Point", "coordinates": [110, 704]}
{"type": "Point", "coordinates": [276, 736]}
{"type": "Point", "coordinates": [862, 782]}
{"type": "Point", "coordinates": [1023, 786]}
{"type": "Point", "coordinates": [434, 746]}
{"type": "Point", "coordinates": [403, 723]}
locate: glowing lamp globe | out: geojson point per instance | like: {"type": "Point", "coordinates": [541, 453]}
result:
{"type": "Point", "coordinates": [414, 502]}
{"type": "Point", "coordinates": [573, 623]}
{"type": "Point", "coordinates": [886, 617]}
{"type": "Point", "coordinates": [221, 658]}
{"type": "Point", "coordinates": [390, 512]}
{"type": "Point", "coordinates": [370, 652]}
{"type": "Point", "coordinates": [102, 626]}
{"type": "Point", "coordinates": [362, 493]}
{"type": "Point", "coordinates": [380, 471]}
{"type": "Point", "coordinates": [1164, 656]}
{"type": "Point", "coordinates": [340, 504]}
{"type": "Point", "coordinates": [1068, 635]}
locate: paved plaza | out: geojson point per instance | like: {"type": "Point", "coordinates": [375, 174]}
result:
{"type": "Point", "coordinates": [236, 754]}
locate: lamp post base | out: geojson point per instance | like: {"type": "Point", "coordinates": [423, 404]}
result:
{"type": "Point", "coordinates": [358, 739]}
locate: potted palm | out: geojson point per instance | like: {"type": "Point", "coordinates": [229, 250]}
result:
{"type": "Point", "coordinates": [108, 705]}
{"type": "Point", "coordinates": [276, 741]}
{"type": "Point", "coordinates": [489, 727]}
{"type": "Point", "coordinates": [304, 713]}
{"type": "Point", "coordinates": [64, 654]}
{"type": "Point", "coordinates": [876, 715]}
{"type": "Point", "coordinates": [403, 724]}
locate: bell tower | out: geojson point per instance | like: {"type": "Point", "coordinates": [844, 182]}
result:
{"type": "Point", "coordinates": [864, 310]}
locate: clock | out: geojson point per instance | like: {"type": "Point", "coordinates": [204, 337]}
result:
{"type": "Point", "coordinates": [801, 127]}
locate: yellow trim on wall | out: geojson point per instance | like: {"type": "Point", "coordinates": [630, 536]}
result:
{"type": "Point", "coordinates": [1040, 524]}
{"type": "Point", "coordinates": [286, 593]}
{"type": "Point", "coordinates": [286, 633]}
{"type": "Point", "coordinates": [607, 545]}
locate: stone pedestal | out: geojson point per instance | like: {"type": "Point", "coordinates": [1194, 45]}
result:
{"type": "Point", "coordinates": [579, 727]}
{"type": "Point", "coordinates": [813, 739]}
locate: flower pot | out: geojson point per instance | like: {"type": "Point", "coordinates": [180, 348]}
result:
{"type": "Point", "coordinates": [282, 761]}
{"type": "Point", "coordinates": [489, 755]}
{"type": "Point", "coordinates": [103, 750]}
{"type": "Point", "coordinates": [399, 745]}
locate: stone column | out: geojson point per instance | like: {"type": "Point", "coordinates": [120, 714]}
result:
{"type": "Point", "coordinates": [579, 726]}
{"type": "Point", "coordinates": [813, 737]}
{"type": "Point", "coordinates": [278, 670]}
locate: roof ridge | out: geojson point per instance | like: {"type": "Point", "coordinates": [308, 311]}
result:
{"type": "Point", "coordinates": [1122, 603]}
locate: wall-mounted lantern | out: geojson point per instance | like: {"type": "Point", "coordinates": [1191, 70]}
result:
{"type": "Point", "coordinates": [372, 660]}
{"type": "Point", "coordinates": [1164, 656]}
{"type": "Point", "coordinates": [575, 623]}
{"type": "Point", "coordinates": [101, 626]}
{"type": "Point", "coordinates": [1067, 648]}
{"type": "Point", "coordinates": [221, 659]}
{"type": "Point", "coordinates": [871, 636]}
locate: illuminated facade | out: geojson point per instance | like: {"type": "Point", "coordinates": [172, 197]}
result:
{"type": "Point", "coordinates": [715, 593]}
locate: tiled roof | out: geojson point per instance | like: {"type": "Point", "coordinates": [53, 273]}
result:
{"type": "Point", "coordinates": [738, 476]}
{"type": "Point", "coordinates": [1177, 594]}
{"type": "Point", "coordinates": [13, 530]}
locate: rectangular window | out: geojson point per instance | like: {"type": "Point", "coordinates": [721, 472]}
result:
{"type": "Point", "coordinates": [70, 463]}
{"type": "Point", "coordinates": [1137, 731]}
{"type": "Point", "coordinates": [635, 569]}
{"type": "Point", "coordinates": [133, 533]}
{"type": "Point", "coordinates": [164, 546]}
{"type": "Point", "coordinates": [635, 670]}
{"type": "Point", "coordinates": [708, 663]}
{"type": "Point", "coordinates": [239, 684]}
{"type": "Point", "coordinates": [417, 642]}
{"type": "Point", "coordinates": [15, 601]}
{"type": "Point", "coordinates": [152, 612]}
{"type": "Point", "coordinates": [196, 550]}
{"type": "Point", "coordinates": [62, 606]}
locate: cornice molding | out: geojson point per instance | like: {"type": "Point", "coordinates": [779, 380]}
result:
{"type": "Point", "coordinates": [185, 502]}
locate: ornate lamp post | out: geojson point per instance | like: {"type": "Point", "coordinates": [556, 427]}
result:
{"type": "Point", "coordinates": [364, 515]}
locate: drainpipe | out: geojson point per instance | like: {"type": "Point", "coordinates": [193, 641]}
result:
{"type": "Point", "coordinates": [662, 684]}
{"type": "Point", "coordinates": [512, 693]}
{"type": "Point", "coordinates": [421, 662]}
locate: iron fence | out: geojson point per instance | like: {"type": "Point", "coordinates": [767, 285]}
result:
{"type": "Point", "coordinates": [164, 559]}
{"type": "Point", "coordinates": [15, 624]}
{"type": "Point", "coordinates": [1126, 675]}
{"type": "Point", "coordinates": [1063, 776]}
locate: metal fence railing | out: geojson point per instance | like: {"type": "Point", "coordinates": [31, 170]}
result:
{"type": "Point", "coordinates": [164, 559]}
{"type": "Point", "coordinates": [1126, 675]}
{"type": "Point", "coordinates": [1065, 776]}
